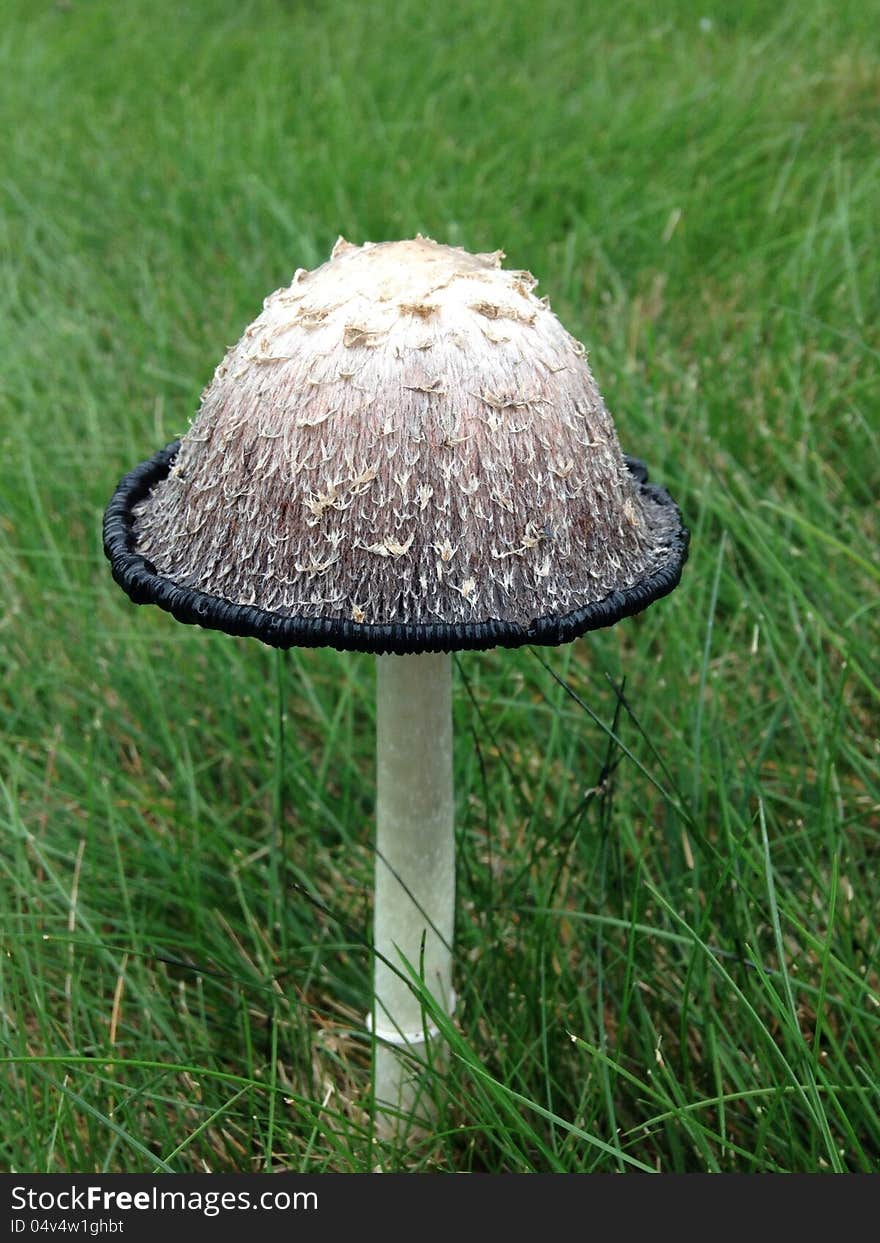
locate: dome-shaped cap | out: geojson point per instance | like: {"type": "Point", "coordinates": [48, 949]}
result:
{"type": "Point", "coordinates": [406, 451]}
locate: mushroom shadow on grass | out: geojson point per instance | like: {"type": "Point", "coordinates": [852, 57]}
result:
{"type": "Point", "coordinates": [405, 454]}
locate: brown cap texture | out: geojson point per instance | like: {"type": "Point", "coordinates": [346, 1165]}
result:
{"type": "Point", "coordinates": [405, 444]}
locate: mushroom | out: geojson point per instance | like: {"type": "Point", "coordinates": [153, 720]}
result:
{"type": "Point", "coordinates": [405, 454]}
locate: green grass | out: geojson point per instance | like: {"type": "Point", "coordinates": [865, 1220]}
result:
{"type": "Point", "coordinates": [667, 936]}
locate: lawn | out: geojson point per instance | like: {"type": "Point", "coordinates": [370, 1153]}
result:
{"type": "Point", "coordinates": [669, 831]}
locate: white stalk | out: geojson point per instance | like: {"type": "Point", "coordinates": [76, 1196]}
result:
{"type": "Point", "coordinates": [415, 865]}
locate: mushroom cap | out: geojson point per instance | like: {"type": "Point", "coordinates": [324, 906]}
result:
{"type": "Point", "coordinates": [406, 451]}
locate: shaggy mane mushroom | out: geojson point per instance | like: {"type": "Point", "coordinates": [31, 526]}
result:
{"type": "Point", "coordinates": [406, 454]}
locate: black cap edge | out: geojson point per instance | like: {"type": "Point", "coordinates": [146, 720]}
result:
{"type": "Point", "coordinates": [138, 579]}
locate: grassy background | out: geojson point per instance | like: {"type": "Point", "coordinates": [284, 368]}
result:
{"type": "Point", "coordinates": [667, 920]}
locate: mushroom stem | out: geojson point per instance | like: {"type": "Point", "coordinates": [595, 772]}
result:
{"type": "Point", "coordinates": [415, 868]}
